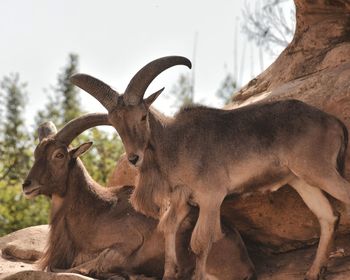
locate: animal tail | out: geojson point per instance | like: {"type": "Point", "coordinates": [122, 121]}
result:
{"type": "Point", "coordinates": [342, 151]}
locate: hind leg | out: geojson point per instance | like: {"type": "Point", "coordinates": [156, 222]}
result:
{"type": "Point", "coordinates": [324, 175]}
{"type": "Point", "coordinates": [320, 206]}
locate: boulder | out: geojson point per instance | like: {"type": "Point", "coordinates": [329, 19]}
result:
{"type": "Point", "coordinates": [19, 252]}
{"type": "Point", "coordinates": [41, 275]}
{"type": "Point", "coordinates": [314, 68]}
{"type": "Point", "coordinates": [27, 244]}
{"type": "Point", "coordinates": [294, 264]}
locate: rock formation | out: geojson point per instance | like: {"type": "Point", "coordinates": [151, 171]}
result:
{"type": "Point", "coordinates": [314, 68]}
{"type": "Point", "coordinates": [21, 249]}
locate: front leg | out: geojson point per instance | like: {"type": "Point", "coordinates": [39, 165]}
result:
{"type": "Point", "coordinates": [207, 230]}
{"type": "Point", "coordinates": [169, 225]}
{"type": "Point", "coordinates": [104, 265]}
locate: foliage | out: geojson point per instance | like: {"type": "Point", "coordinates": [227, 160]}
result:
{"type": "Point", "coordinates": [227, 88]}
{"type": "Point", "coordinates": [64, 105]}
{"type": "Point", "coordinates": [15, 211]}
{"type": "Point", "coordinates": [15, 140]}
{"type": "Point", "coordinates": [16, 147]}
{"type": "Point", "coordinates": [182, 91]}
{"type": "Point", "coordinates": [103, 155]}
{"type": "Point", "coordinates": [268, 25]}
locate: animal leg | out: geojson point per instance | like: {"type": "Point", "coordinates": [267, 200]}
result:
{"type": "Point", "coordinates": [107, 262]}
{"type": "Point", "coordinates": [320, 206]}
{"type": "Point", "coordinates": [169, 225]}
{"type": "Point", "coordinates": [206, 231]}
{"type": "Point", "coordinates": [325, 176]}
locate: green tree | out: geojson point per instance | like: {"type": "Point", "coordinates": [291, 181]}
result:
{"type": "Point", "coordinates": [227, 89]}
{"type": "Point", "coordinates": [15, 211]}
{"type": "Point", "coordinates": [102, 158]}
{"type": "Point", "coordinates": [70, 104]}
{"type": "Point", "coordinates": [16, 149]}
{"type": "Point", "coordinates": [2, 134]}
{"type": "Point", "coordinates": [15, 140]}
{"type": "Point", "coordinates": [183, 92]}
{"type": "Point", "coordinates": [64, 105]}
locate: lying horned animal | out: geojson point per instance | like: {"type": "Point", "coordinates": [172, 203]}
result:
{"type": "Point", "coordinates": [95, 231]}
{"type": "Point", "coordinates": [203, 154]}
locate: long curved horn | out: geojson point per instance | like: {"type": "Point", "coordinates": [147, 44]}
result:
{"type": "Point", "coordinates": [78, 125]}
{"type": "Point", "coordinates": [46, 129]}
{"type": "Point", "coordinates": [140, 82]}
{"type": "Point", "coordinates": [102, 92]}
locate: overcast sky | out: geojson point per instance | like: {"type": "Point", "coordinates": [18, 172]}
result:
{"type": "Point", "coordinates": [115, 38]}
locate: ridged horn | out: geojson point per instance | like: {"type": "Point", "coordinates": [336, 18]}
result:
{"type": "Point", "coordinates": [139, 83]}
{"type": "Point", "coordinates": [46, 130]}
{"type": "Point", "coordinates": [102, 92]}
{"type": "Point", "coordinates": [78, 125]}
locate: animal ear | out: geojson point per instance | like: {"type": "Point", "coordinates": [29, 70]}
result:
{"type": "Point", "coordinates": [150, 99]}
{"type": "Point", "coordinates": [76, 152]}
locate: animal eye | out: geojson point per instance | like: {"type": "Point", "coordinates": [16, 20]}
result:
{"type": "Point", "coordinates": [59, 155]}
{"type": "Point", "coordinates": [143, 117]}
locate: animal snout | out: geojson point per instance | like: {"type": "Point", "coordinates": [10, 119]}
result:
{"type": "Point", "coordinates": [133, 159]}
{"type": "Point", "coordinates": [26, 183]}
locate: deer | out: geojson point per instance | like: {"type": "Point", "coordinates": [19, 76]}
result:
{"type": "Point", "coordinates": [203, 154]}
{"type": "Point", "coordinates": [95, 231]}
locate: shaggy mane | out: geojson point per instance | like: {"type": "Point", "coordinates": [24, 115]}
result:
{"type": "Point", "coordinates": [61, 251]}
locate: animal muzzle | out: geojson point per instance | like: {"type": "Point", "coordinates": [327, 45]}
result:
{"type": "Point", "coordinates": [133, 159]}
{"type": "Point", "coordinates": [26, 183]}
{"type": "Point", "coordinates": [30, 189]}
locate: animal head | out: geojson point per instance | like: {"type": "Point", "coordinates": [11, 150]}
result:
{"type": "Point", "coordinates": [54, 158]}
{"type": "Point", "coordinates": [129, 112]}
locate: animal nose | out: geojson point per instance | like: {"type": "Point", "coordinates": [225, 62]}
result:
{"type": "Point", "coordinates": [26, 183]}
{"type": "Point", "coordinates": [133, 159]}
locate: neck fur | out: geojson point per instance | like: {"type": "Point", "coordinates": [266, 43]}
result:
{"type": "Point", "coordinates": [157, 122]}
{"type": "Point", "coordinates": [81, 192]}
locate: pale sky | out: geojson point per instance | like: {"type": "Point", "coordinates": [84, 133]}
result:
{"type": "Point", "coordinates": [115, 38]}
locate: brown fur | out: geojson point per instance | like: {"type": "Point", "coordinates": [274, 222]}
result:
{"type": "Point", "coordinates": [273, 148]}
{"type": "Point", "coordinates": [95, 231]}
{"type": "Point", "coordinates": [210, 153]}
{"type": "Point", "coordinates": [124, 174]}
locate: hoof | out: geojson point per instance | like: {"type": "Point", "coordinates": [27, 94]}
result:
{"type": "Point", "coordinates": [311, 277]}
{"type": "Point", "coordinates": [116, 277]}
{"type": "Point", "coordinates": [199, 277]}
{"type": "Point", "coordinates": [313, 274]}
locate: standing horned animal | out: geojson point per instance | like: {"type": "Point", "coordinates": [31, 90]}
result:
{"type": "Point", "coordinates": [95, 231]}
{"type": "Point", "coordinates": [203, 154]}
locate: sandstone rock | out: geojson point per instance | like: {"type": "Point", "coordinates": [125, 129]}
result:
{"type": "Point", "coordinates": [293, 265]}
{"type": "Point", "coordinates": [41, 275]}
{"type": "Point", "coordinates": [20, 251]}
{"type": "Point", "coordinates": [314, 68]}
{"type": "Point", "coordinates": [27, 244]}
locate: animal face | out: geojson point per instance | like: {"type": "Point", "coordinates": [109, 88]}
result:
{"type": "Point", "coordinates": [51, 168]}
{"type": "Point", "coordinates": [132, 124]}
